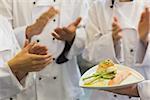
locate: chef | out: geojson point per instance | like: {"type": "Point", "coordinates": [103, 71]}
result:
{"type": "Point", "coordinates": [111, 33]}
{"type": "Point", "coordinates": [62, 82]}
{"type": "Point", "coordinates": [141, 89]}
{"type": "Point", "coordinates": [15, 64]}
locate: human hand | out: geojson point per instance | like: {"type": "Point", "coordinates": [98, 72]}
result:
{"type": "Point", "coordinates": [38, 26]}
{"type": "Point", "coordinates": [144, 26]}
{"type": "Point", "coordinates": [24, 61]}
{"type": "Point", "coordinates": [128, 90]}
{"type": "Point", "coordinates": [37, 49]}
{"type": "Point", "coordinates": [67, 33]}
{"type": "Point", "coordinates": [116, 30]}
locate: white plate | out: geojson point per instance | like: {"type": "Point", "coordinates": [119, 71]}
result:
{"type": "Point", "coordinates": [134, 78]}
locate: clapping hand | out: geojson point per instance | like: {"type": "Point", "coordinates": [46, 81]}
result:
{"type": "Point", "coordinates": [67, 33]}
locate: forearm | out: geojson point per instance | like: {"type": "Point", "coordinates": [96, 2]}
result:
{"type": "Point", "coordinates": [20, 75]}
{"type": "Point", "coordinates": [10, 86]}
{"type": "Point", "coordinates": [78, 44]}
{"type": "Point", "coordinates": [130, 91]}
{"type": "Point", "coordinates": [141, 53]}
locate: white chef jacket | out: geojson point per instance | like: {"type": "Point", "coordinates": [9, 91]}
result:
{"type": "Point", "coordinates": [144, 90]}
{"type": "Point", "coordinates": [9, 85]}
{"type": "Point", "coordinates": [143, 59]}
{"type": "Point", "coordinates": [100, 44]}
{"type": "Point", "coordinates": [20, 15]}
{"type": "Point", "coordinates": [56, 81]}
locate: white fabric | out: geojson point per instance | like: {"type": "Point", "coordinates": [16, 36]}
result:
{"type": "Point", "coordinates": [9, 85]}
{"type": "Point", "coordinates": [144, 90]}
{"type": "Point", "coordinates": [65, 86]}
{"type": "Point", "coordinates": [100, 46]}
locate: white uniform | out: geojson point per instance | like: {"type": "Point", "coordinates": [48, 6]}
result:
{"type": "Point", "coordinates": [100, 44]}
{"type": "Point", "coordinates": [144, 90]}
{"type": "Point", "coordinates": [56, 81]}
{"type": "Point", "coordinates": [9, 85]}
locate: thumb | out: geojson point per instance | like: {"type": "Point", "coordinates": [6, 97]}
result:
{"type": "Point", "coordinates": [29, 46]}
{"type": "Point", "coordinates": [77, 22]}
{"type": "Point", "coordinates": [115, 19]}
{"type": "Point", "coordinates": [142, 17]}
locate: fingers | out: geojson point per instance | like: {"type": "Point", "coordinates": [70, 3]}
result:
{"type": "Point", "coordinates": [59, 34]}
{"type": "Point", "coordinates": [77, 22]}
{"type": "Point", "coordinates": [118, 37]}
{"type": "Point", "coordinates": [41, 62]}
{"type": "Point", "coordinates": [145, 15]}
{"type": "Point", "coordinates": [58, 30]}
{"type": "Point", "coordinates": [142, 17]}
{"type": "Point", "coordinates": [116, 28]}
{"type": "Point", "coordinates": [115, 19]}
{"type": "Point", "coordinates": [42, 66]}
{"type": "Point", "coordinates": [56, 36]}
{"type": "Point", "coordinates": [50, 13]}
{"type": "Point", "coordinates": [29, 46]}
{"type": "Point", "coordinates": [40, 57]}
{"type": "Point", "coordinates": [66, 30]}
{"type": "Point", "coordinates": [38, 49]}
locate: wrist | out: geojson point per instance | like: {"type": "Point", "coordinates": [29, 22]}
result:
{"type": "Point", "coordinates": [135, 91]}
{"type": "Point", "coordinates": [12, 66]}
{"type": "Point", "coordinates": [28, 32]}
{"type": "Point", "coordinates": [70, 42]}
{"type": "Point", "coordinates": [144, 42]}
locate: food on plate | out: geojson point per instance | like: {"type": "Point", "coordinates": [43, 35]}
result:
{"type": "Point", "coordinates": [120, 76]}
{"type": "Point", "coordinates": [107, 74]}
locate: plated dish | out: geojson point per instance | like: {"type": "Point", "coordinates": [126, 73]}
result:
{"type": "Point", "coordinates": [108, 75]}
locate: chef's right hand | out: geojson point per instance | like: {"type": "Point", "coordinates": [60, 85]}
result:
{"type": "Point", "coordinates": [38, 26]}
{"type": "Point", "coordinates": [116, 30]}
{"type": "Point", "coordinates": [144, 26]}
{"type": "Point", "coordinates": [27, 62]}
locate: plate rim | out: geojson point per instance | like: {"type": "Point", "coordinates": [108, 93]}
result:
{"type": "Point", "coordinates": [114, 86]}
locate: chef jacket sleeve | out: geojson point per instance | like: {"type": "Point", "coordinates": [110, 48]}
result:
{"type": "Point", "coordinates": [20, 35]}
{"type": "Point", "coordinates": [144, 90]}
{"type": "Point", "coordinates": [6, 9]}
{"type": "Point", "coordinates": [142, 54]}
{"type": "Point", "coordinates": [9, 85]}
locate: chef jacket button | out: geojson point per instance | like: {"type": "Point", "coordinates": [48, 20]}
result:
{"type": "Point", "coordinates": [54, 0]}
{"type": "Point", "coordinates": [34, 2]}
{"type": "Point", "coordinates": [130, 97]}
{"type": "Point", "coordinates": [37, 40]}
{"type": "Point", "coordinates": [54, 77]}
{"type": "Point", "coordinates": [54, 20]}
{"type": "Point", "coordinates": [53, 58]}
{"type": "Point", "coordinates": [40, 78]}
{"type": "Point", "coordinates": [131, 50]}
{"type": "Point", "coordinates": [100, 34]}
{"type": "Point", "coordinates": [53, 38]}
{"type": "Point", "coordinates": [115, 96]}
{"type": "Point", "coordinates": [11, 98]}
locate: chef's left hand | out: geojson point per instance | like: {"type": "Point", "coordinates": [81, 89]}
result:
{"type": "Point", "coordinates": [37, 49]}
{"type": "Point", "coordinates": [144, 26]}
{"type": "Point", "coordinates": [37, 27]}
{"type": "Point", "coordinates": [67, 33]}
{"type": "Point", "coordinates": [130, 91]}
